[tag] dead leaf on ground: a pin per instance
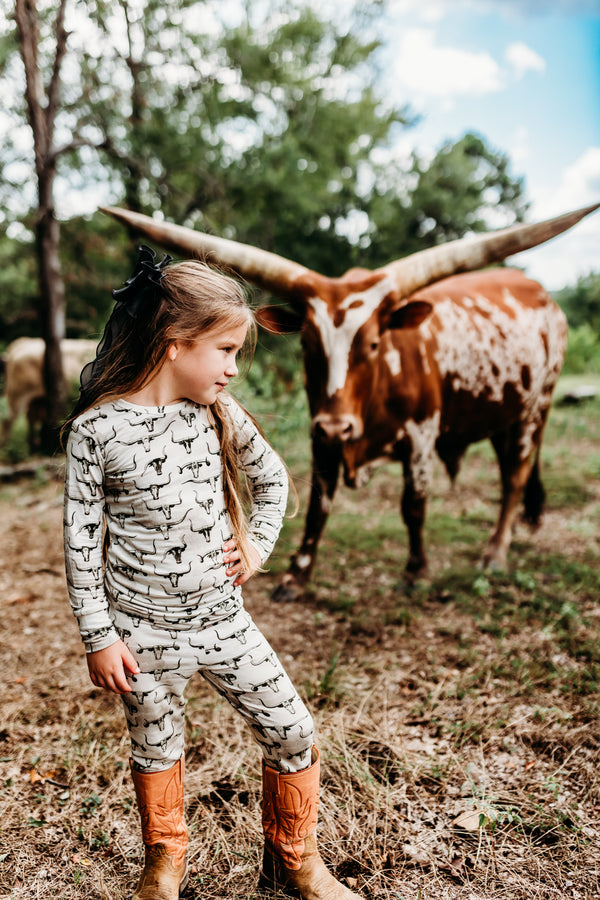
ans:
(20, 598)
(416, 854)
(457, 867)
(35, 776)
(474, 819)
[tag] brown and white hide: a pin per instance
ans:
(24, 380)
(473, 356)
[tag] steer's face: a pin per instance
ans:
(342, 322)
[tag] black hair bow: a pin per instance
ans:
(137, 293)
(143, 281)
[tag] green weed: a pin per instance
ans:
(90, 805)
(328, 689)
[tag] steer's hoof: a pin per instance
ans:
(493, 566)
(416, 570)
(288, 590)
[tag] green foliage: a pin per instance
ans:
(235, 140)
(16, 448)
(581, 305)
(583, 350)
(450, 197)
(18, 291)
(289, 190)
(92, 253)
(581, 302)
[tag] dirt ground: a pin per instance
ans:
(374, 691)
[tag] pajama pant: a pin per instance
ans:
(236, 659)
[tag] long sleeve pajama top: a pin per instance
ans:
(153, 477)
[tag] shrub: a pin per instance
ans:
(583, 351)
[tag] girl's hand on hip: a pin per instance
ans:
(107, 667)
(233, 561)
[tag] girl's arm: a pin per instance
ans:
(83, 527)
(268, 481)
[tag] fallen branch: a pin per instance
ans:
(45, 467)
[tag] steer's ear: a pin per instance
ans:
(279, 319)
(411, 315)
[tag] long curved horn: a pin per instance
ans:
(464, 255)
(268, 270)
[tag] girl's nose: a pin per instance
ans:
(232, 368)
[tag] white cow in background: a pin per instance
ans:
(24, 381)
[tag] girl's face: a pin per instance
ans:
(199, 370)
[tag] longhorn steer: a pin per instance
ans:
(24, 379)
(411, 359)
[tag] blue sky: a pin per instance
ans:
(526, 76)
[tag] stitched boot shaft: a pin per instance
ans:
(291, 860)
(160, 802)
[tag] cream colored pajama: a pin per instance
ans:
(152, 476)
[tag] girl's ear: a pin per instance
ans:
(172, 351)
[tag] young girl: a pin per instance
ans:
(157, 547)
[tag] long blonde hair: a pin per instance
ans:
(192, 299)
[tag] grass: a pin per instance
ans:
(458, 719)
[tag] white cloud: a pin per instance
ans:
(428, 70)
(523, 59)
(577, 252)
(565, 259)
(579, 185)
(431, 12)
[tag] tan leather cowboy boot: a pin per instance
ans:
(291, 861)
(160, 802)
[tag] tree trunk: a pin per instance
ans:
(42, 110)
(52, 309)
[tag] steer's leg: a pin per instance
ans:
(416, 454)
(326, 467)
(516, 450)
(412, 507)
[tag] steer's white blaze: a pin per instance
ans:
(394, 361)
(424, 358)
(337, 339)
